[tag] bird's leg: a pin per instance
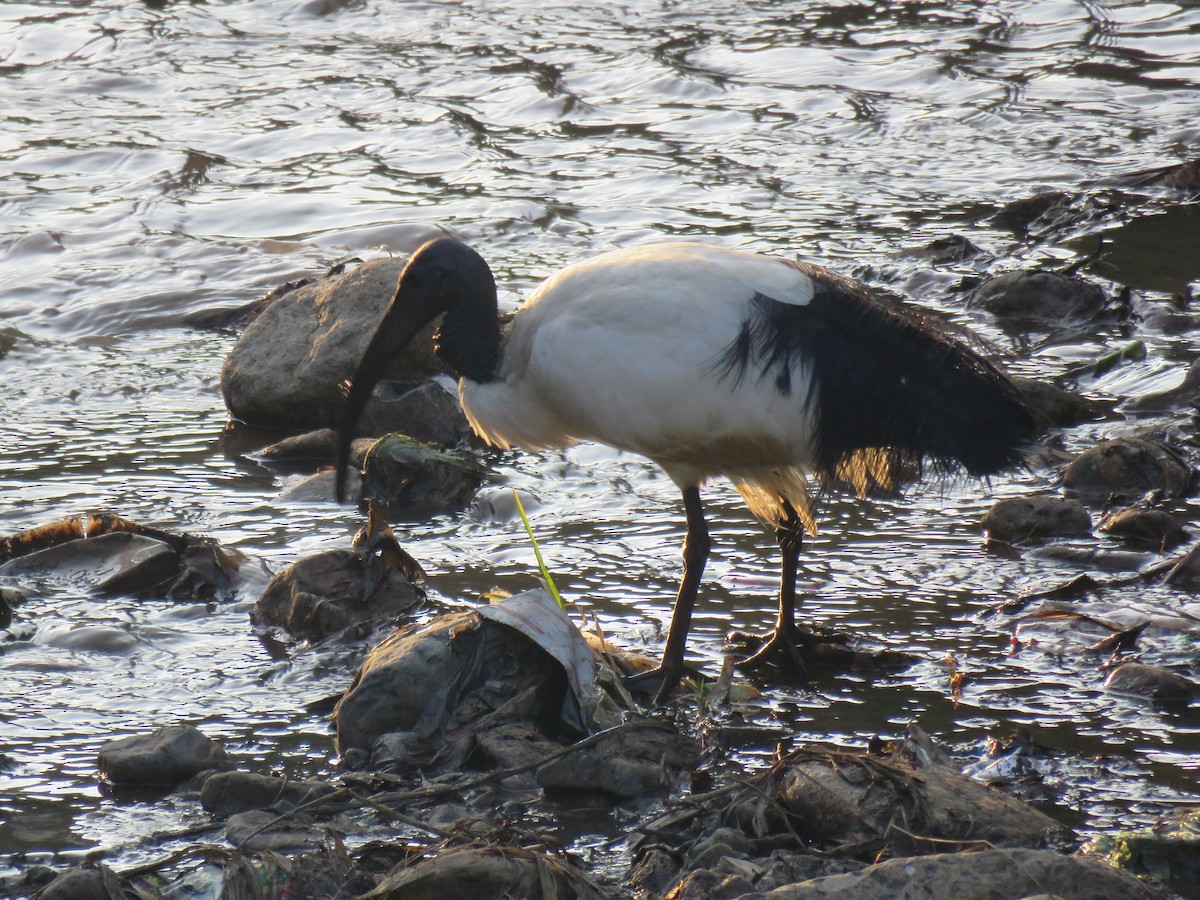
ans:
(786, 637)
(695, 554)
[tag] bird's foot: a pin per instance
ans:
(792, 646)
(658, 683)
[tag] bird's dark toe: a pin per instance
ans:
(791, 648)
(658, 683)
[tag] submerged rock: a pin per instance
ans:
(329, 591)
(1057, 407)
(1129, 467)
(1184, 395)
(119, 557)
(228, 793)
(409, 478)
(1038, 516)
(487, 871)
(1148, 526)
(982, 875)
(1153, 682)
(168, 756)
(1044, 297)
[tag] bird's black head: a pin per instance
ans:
(443, 276)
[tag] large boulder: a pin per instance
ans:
(287, 367)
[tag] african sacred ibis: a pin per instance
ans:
(708, 361)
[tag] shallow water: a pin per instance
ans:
(167, 159)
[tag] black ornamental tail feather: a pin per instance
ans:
(893, 390)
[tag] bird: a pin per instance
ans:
(782, 376)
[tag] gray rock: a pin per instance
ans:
(1056, 407)
(1025, 518)
(1156, 527)
(1153, 682)
(984, 875)
(329, 591)
(630, 764)
(168, 756)
(425, 412)
(261, 830)
(1129, 467)
(287, 366)
(1040, 296)
(228, 793)
(399, 678)
(79, 884)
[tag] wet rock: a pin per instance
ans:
(1153, 682)
(318, 446)
(227, 793)
(262, 830)
(1038, 516)
(1090, 557)
(1186, 394)
(516, 663)
(983, 875)
(9, 597)
(1170, 853)
(426, 412)
(1148, 526)
(168, 756)
(409, 478)
(1129, 467)
(329, 591)
(1185, 575)
(118, 557)
(82, 884)
(287, 366)
(1044, 297)
(415, 670)
(1182, 177)
(495, 871)
(953, 248)
(836, 798)
(629, 764)
(1052, 211)
(1057, 407)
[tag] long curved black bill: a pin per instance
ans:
(399, 325)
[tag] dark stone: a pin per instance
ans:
(227, 793)
(335, 589)
(1054, 406)
(168, 756)
(415, 480)
(77, 884)
(1153, 682)
(426, 412)
(1129, 467)
(1025, 518)
(1148, 526)
(1044, 297)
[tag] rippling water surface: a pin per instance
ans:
(166, 159)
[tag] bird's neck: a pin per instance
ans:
(469, 338)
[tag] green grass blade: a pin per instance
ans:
(537, 552)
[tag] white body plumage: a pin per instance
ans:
(626, 348)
